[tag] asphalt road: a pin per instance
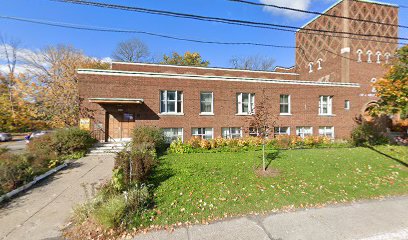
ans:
(15, 146)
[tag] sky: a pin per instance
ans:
(102, 44)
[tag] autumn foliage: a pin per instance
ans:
(392, 90)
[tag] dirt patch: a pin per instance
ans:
(269, 172)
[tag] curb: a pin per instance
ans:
(28, 185)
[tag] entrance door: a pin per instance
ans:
(121, 125)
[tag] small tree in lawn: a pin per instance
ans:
(263, 122)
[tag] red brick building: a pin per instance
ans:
(329, 86)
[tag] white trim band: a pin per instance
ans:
(214, 78)
(208, 68)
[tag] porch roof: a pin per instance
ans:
(116, 100)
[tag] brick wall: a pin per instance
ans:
(304, 101)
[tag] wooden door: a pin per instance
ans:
(121, 125)
(115, 129)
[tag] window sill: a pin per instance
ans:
(206, 114)
(326, 115)
(285, 114)
(244, 114)
(171, 114)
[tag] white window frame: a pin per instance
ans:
(229, 135)
(329, 103)
(289, 105)
(203, 134)
(278, 132)
(347, 104)
(212, 104)
(180, 134)
(324, 130)
(304, 131)
(166, 101)
(251, 104)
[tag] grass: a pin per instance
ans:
(200, 187)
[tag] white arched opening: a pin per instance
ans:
(378, 54)
(310, 67)
(387, 57)
(319, 64)
(369, 54)
(359, 54)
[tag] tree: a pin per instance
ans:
(9, 49)
(392, 90)
(54, 68)
(189, 59)
(263, 122)
(255, 62)
(132, 50)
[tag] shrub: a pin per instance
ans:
(62, 144)
(71, 140)
(135, 164)
(366, 134)
(3, 150)
(16, 170)
(151, 136)
(42, 148)
(111, 212)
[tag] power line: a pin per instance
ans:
(216, 19)
(315, 13)
(116, 30)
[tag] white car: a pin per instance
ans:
(4, 137)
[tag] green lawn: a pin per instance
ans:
(207, 186)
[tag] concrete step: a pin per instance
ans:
(107, 148)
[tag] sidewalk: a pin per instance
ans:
(368, 220)
(42, 211)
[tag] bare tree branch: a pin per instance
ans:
(132, 50)
(255, 62)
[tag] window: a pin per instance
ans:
(378, 54)
(172, 134)
(204, 133)
(369, 54)
(304, 131)
(319, 64)
(231, 132)
(359, 53)
(128, 117)
(284, 104)
(387, 57)
(206, 102)
(310, 67)
(347, 104)
(326, 132)
(281, 131)
(325, 105)
(245, 103)
(171, 101)
(254, 132)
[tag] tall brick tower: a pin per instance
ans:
(351, 59)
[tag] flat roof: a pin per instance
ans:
(212, 78)
(209, 68)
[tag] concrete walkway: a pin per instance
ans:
(42, 211)
(368, 220)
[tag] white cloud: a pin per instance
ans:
(298, 4)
